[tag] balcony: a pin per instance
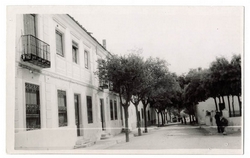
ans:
(103, 84)
(106, 85)
(35, 51)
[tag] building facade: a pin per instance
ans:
(207, 110)
(59, 99)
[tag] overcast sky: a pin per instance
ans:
(186, 37)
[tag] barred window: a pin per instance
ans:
(89, 109)
(32, 107)
(62, 108)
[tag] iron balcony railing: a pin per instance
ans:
(35, 51)
(103, 84)
(106, 85)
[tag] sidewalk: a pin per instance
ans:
(212, 130)
(117, 139)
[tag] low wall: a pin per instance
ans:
(235, 123)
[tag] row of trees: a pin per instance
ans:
(149, 81)
(137, 80)
(221, 79)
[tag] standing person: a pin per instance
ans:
(218, 122)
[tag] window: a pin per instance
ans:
(121, 111)
(29, 24)
(75, 52)
(86, 59)
(111, 110)
(62, 108)
(148, 115)
(32, 107)
(116, 112)
(142, 113)
(89, 109)
(59, 43)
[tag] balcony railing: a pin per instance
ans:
(35, 51)
(106, 85)
(103, 84)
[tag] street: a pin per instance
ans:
(182, 137)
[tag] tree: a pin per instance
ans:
(164, 92)
(219, 77)
(235, 78)
(155, 69)
(194, 91)
(124, 72)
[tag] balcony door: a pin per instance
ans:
(30, 29)
(77, 113)
(102, 115)
(29, 24)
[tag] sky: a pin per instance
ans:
(186, 37)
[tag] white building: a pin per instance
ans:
(58, 97)
(59, 101)
(206, 112)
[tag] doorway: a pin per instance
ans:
(102, 115)
(77, 112)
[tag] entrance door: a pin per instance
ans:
(77, 113)
(102, 115)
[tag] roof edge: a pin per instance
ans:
(88, 33)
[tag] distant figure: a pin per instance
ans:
(218, 122)
(224, 124)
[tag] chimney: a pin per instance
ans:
(104, 43)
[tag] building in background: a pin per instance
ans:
(206, 112)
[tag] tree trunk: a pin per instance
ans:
(126, 122)
(223, 100)
(219, 102)
(239, 103)
(233, 105)
(145, 118)
(162, 119)
(166, 117)
(158, 119)
(196, 119)
(138, 120)
(219, 99)
(215, 104)
(229, 106)
(190, 119)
